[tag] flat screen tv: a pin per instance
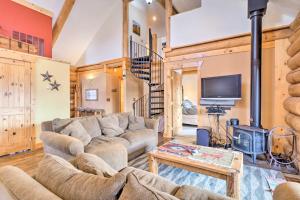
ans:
(221, 87)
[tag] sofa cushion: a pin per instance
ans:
(93, 164)
(59, 124)
(17, 185)
(152, 180)
(136, 123)
(91, 125)
(110, 126)
(142, 137)
(136, 190)
(123, 120)
(187, 192)
(75, 129)
(66, 181)
(113, 153)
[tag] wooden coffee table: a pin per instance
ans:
(232, 175)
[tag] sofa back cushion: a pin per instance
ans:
(93, 164)
(91, 125)
(110, 126)
(75, 129)
(187, 192)
(59, 124)
(136, 190)
(136, 123)
(15, 184)
(62, 178)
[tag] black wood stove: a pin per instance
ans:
(253, 139)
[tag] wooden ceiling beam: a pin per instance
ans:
(61, 19)
(163, 4)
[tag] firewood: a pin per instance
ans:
(293, 121)
(294, 90)
(295, 35)
(292, 105)
(293, 77)
(294, 48)
(296, 23)
(294, 62)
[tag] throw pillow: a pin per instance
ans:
(110, 126)
(93, 164)
(136, 123)
(91, 125)
(134, 189)
(67, 182)
(75, 129)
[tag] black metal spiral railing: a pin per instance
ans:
(148, 66)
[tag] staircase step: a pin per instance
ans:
(157, 90)
(140, 67)
(144, 78)
(154, 84)
(156, 113)
(157, 103)
(144, 58)
(157, 97)
(140, 62)
(160, 108)
(140, 72)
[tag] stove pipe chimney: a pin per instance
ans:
(256, 11)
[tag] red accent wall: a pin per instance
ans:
(15, 17)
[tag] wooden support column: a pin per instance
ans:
(123, 88)
(62, 18)
(167, 101)
(168, 5)
(125, 27)
(177, 101)
(154, 42)
(280, 84)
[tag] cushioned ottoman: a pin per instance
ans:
(114, 154)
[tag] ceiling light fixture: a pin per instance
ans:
(149, 1)
(154, 18)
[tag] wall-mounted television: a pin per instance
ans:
(221, 87)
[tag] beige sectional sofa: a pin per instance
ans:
(89, 178)
(116, 138)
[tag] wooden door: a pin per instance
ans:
(15, 100)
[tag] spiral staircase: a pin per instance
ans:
(147, 65)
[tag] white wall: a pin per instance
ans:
(107, 43)
(138, 13)
(50, 104)
(221, 18)
(84, 22)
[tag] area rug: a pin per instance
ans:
(254, 185)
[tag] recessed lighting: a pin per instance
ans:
(154, 18)
(149, 1)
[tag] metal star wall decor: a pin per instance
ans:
(47, 76)
(54, 86)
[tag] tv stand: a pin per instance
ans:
(217, 111)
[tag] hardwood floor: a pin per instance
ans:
(27, 161)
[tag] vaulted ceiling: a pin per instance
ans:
(87, 17)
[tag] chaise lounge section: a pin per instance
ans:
(116, 138)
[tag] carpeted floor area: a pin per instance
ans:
(254, 184)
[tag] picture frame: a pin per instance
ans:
(136, 28)
(91, 94)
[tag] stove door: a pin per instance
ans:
(242, 140)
